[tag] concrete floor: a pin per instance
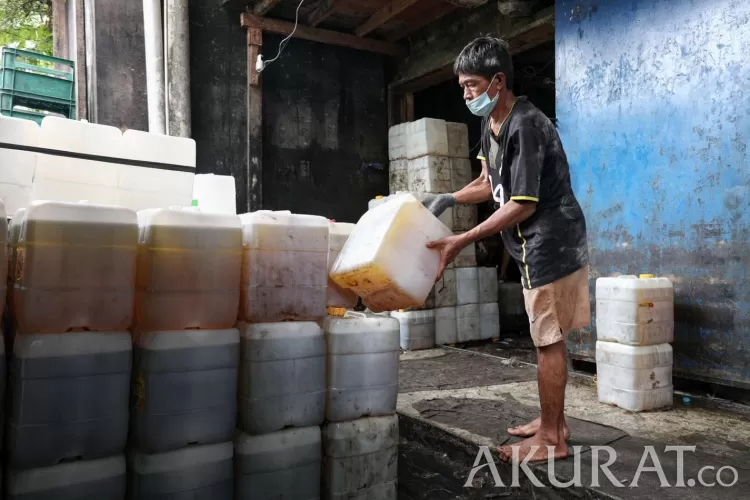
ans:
(468, 397)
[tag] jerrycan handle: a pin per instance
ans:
(355, 314)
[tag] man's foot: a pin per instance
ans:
(532, 428)
(535, 449)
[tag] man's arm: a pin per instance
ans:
(509, 215)
(478, 191)
(512, 213)
(526, 170)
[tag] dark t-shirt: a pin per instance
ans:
(526, 162)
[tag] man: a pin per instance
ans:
(525, 171)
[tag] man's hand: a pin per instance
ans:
(449, 248)
(439, 203)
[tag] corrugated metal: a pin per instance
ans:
(654, 112)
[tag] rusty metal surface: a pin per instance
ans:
(652, 110)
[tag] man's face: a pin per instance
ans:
(476, 85)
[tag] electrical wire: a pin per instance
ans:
(283, 43)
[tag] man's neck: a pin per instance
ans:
(502, 110)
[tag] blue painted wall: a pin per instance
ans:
(653, 108)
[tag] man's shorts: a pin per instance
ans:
(559, 307)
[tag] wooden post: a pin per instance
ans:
(60, 46)
(254, 122)
(400, 106)
(409, 107)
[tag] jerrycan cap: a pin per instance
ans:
(646, 276)
(336, 311)
(379, 197)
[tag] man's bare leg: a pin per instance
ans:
(532, 427)
(553, 377)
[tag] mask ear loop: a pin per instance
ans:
(479, 142)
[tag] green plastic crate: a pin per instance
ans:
(25, 84)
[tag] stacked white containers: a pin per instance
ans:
(17, 173)
(398, 177)
(489, 311)
(435, 157)
(476, 311)
(186, 354)
(634, 326)
(73, 280)
(467, 304)
(142, 188)
(360, 438)
(105, 173)
(282, 381)
(445, 298)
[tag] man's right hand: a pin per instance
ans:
(439, 203)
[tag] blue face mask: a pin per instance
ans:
(483, 105)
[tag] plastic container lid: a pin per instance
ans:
(336, 311)
(186, 217)
(58, 211)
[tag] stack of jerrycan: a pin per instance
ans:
(360, 437)
(186, 355)
(282, 380)
(361, 431)
(429, 157)
(489, 311)
(634, 328)
(477, 312)
(73, 276)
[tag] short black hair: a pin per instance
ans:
(486, 56)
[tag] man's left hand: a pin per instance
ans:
(449, 248)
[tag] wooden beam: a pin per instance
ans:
(260, 7)
(538, 31)
(254, 124)
(323, 11)
(322, 36)
(437, 76)
(263, 6)
(384, 15)
(433, 14)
